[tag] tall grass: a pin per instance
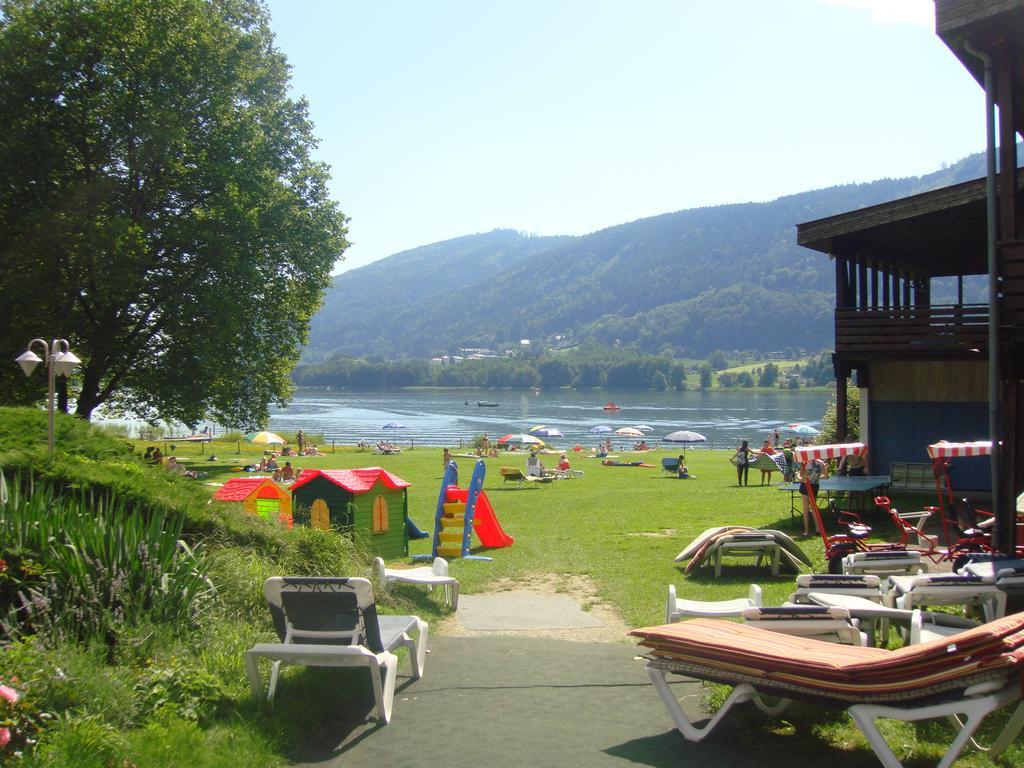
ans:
(93, 567)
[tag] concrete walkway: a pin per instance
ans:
(512, 701)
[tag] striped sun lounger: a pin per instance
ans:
(966, 676)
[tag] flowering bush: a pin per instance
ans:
(19, 723)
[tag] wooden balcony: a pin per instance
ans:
(935, 331)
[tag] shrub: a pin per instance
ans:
(102, 568)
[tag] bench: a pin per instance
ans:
(911, 476)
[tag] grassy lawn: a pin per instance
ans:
(620, 526)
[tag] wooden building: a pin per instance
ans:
(945, 368)
(372, 503)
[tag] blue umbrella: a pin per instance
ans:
(394, 425)
(546, 432)
(600, 429)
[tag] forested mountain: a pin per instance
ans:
(685, 283)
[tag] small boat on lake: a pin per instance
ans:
(610, 406)
(486, 404)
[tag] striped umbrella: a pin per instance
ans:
(805, 453)
(944, 450)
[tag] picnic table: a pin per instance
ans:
(833, 486)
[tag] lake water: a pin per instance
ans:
(452, 417)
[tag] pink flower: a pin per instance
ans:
(5, 736)
(9, 693)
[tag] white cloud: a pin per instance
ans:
(919, 12)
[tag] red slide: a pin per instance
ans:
(485, 522)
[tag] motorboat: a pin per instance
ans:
(610, 406)
(486, 404)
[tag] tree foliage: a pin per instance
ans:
(158, 204)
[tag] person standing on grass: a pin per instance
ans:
(446, 459)
(767, 450)
(300, 438)
(814, 471)
(742, 460)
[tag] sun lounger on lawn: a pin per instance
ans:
(968, 679)
(333, 622)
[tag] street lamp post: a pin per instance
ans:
(60, 361)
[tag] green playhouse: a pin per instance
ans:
(371, 502)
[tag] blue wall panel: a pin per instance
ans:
(902, 431)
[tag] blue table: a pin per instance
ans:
(836, 485)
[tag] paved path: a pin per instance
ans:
(511, 701)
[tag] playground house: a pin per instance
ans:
(371, 502)
(258, 495)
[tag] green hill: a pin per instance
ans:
(723, 277)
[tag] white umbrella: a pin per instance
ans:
(643, 427)
(684, 436)
(519, 439)
(600, 429)
(804, 430)
(629, 432)
(393, 425)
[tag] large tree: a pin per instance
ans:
(159, 207)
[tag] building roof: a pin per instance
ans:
(241, 488)
(352, 480)
(936, 233)
(993, 27)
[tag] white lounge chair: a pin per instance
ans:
(867, 586)
(676, 609)
(948, 589)
(966, 680)
(884, 563)
(435, 575)
(833, 625)
(333, 622)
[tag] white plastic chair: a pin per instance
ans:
(333, 622)
(435, 575)
(833, 625)
(676, 609)
(884, 563)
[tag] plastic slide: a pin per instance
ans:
(485, 522)
(415, 532)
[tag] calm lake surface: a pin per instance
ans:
(452, 417)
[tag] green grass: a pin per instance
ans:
(164, 699)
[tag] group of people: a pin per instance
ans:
(279, 473)
(808, 473)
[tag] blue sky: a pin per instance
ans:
(451, 117)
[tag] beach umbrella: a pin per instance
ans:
(393, 425)
(643, 427)
(600, 429)
(684, 436)
(629, 432)
(266, 438)
(803, 430)
(519, 439)
(546, 432)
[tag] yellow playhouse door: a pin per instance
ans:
(380, 515)
(320, 515)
